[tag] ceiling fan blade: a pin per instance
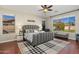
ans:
(45, 5)
(50, 6)
(42, 6)
(49, 9)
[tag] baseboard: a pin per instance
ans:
(72, 39)
(7, 41)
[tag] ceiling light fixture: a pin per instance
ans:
(45, 10)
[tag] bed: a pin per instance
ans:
(35, 37)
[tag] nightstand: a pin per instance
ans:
(19, 37)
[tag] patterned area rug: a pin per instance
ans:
(50, 47)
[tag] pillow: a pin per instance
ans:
(29, 31)
(36, 31)
(42, 31)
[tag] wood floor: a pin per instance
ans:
(12, 48)
(9, 48)
(72, 48)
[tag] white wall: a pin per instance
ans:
(20, 20)
(76, 14)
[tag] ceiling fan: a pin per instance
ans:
(46, 8)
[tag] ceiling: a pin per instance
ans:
(33, 9)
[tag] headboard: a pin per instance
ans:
(30, 27)
(25, 27)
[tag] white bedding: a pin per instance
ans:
(29, 36)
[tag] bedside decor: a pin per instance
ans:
(31, 20)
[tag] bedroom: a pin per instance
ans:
(20, 24)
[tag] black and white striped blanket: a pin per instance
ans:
(50, 47)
